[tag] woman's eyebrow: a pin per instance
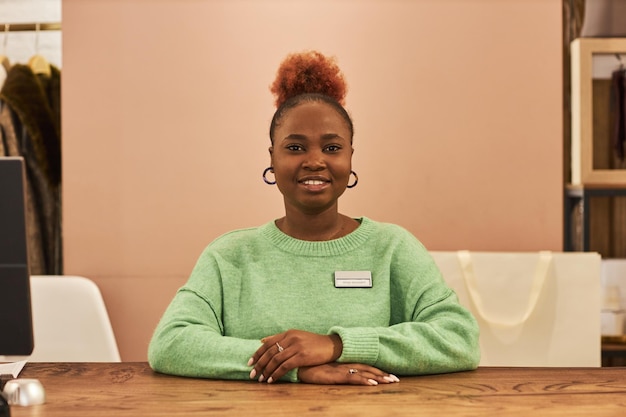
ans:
(325, 137)
(295, 136)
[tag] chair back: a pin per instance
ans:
(70, 321)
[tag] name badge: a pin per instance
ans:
(353, 279)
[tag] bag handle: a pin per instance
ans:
(541, 273)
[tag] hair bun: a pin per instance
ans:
(307, 73)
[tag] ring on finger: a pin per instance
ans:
(280, 348)
(353, 371)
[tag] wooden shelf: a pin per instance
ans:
(583, 53)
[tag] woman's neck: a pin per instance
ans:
(316, 227)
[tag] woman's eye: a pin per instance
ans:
(333, 148)
(294, 148)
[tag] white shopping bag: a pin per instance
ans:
(533, 308)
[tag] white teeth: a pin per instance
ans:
(313, 182)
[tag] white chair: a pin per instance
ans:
(70, 321)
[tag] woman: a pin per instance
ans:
(314, 296)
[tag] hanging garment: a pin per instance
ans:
(5, 66)
(3, 73)
(9, 146)
(30, 120)
(618, 110)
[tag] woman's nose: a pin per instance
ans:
(314, 160)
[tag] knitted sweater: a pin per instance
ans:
(256, 282)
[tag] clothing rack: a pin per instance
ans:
(29, 27)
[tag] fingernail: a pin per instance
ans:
(389, 379)
(252, 373)
(372, 381)
(250, 361)
(270, 380)
(395, 378)
(261, 378)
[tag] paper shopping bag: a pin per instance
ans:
(533, 309)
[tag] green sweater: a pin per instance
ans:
(256, 282)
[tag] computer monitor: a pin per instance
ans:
(16, 327)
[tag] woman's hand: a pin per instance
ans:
(283, 352)
(342, 373)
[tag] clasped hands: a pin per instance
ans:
(315, 357)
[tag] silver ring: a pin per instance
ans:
(353, 371)
(280, 348)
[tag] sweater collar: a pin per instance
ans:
(318, 248)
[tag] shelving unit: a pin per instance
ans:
(578, 194)
(595, 170)
(592, 58)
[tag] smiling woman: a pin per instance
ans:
(311, 152)
(314, 296)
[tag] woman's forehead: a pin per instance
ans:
(312, 115)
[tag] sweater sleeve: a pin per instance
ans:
(430, 331)
(189, 339)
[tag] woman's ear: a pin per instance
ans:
(271, 151)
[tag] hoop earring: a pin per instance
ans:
(356, 180)
(268, 169)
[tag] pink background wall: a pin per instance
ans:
(456, 105)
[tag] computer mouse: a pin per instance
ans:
(24, 392)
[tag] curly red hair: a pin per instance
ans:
(308, 72)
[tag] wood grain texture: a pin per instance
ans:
(133, 389)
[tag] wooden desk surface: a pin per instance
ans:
(133, 389)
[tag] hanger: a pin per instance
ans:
(38, 63)
(3, 58)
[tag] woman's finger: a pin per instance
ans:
(273, 356)
(267, 343)
(281, 363)
(366, 375)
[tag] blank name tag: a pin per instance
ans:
(353, 279)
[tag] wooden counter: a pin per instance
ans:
(133, 389)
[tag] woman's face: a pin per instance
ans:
(312, 157)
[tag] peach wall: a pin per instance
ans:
(456, 103)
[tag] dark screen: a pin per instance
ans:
(16, 330)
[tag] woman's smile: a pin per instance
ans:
(314, 184)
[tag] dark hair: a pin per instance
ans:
(308, 77)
